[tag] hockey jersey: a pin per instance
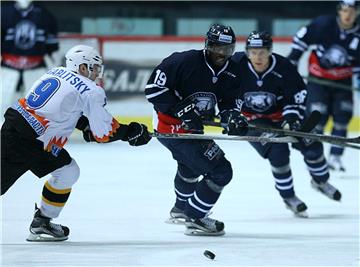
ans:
(26, 36)
(337, 52)
(275, 94)
(187, 76)
(56, 102)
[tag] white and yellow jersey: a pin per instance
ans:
(57, 100)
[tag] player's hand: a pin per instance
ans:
(82, 123)
(137, 134)
(291, 122)
(233, 122)
(190, 117)
(84, 126)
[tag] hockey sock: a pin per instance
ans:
(202, 201)
(318, 169)
(53, 200)
(337, 150)
(184, 188)
(283, 180)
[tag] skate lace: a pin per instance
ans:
(294, 201)
(208, 221)
(326, 187)
(56, 227)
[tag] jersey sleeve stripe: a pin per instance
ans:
(294, 106)
(285, 112)
(148, 96)
(153, 85)
(301, 43)
(297, 47)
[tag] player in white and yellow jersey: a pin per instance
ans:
(37, 127)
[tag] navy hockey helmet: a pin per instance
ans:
(347, 3)
(220, 39)
(257, 39)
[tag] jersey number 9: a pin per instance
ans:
(42, 93)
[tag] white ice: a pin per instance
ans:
(116, 215)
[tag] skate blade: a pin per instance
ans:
(301, 214)
(338, 198)
(198, 232)
(178, 221)
(44, 238)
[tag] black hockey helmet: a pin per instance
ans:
(220, 39)
(257, 39)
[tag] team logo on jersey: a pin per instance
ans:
(25, 35)
(335, 56)
(260, 101)
(204, 101)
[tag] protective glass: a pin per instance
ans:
(97, 70)
(225, 50)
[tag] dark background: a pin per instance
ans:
(69, 13)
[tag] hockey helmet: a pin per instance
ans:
(257, 39)
(83, 54)
(220, 39)
(23, 4)
(347, 3)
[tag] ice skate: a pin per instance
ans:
(42, 230)
(327, 189)
(296, 206)
(177, 216)
(335, 163)
(204, 227)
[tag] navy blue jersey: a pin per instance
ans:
(187, 76)
(337, 52)
(29, 34)
(277, 93)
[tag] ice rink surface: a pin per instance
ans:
(116, 215)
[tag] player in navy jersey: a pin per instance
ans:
(272, 93)
(28, 45)
(184, 89)
(336, 58)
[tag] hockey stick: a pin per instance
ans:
(286, 139)
(330, 83)
(336, 140)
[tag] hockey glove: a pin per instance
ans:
(291, 122)
(82, 123)
(233, 122)
(190, 117)
(137, 134)
(84, 126)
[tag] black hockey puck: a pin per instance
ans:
(208, 254)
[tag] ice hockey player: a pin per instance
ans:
(272, 93)
(184, 89)
(335, 59)
(29, 46)
(37, 127)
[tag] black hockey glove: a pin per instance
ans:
(137, 134)
(233, 122)
(291, 122)
(82, 123)
(190, 117)
(84, 126)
